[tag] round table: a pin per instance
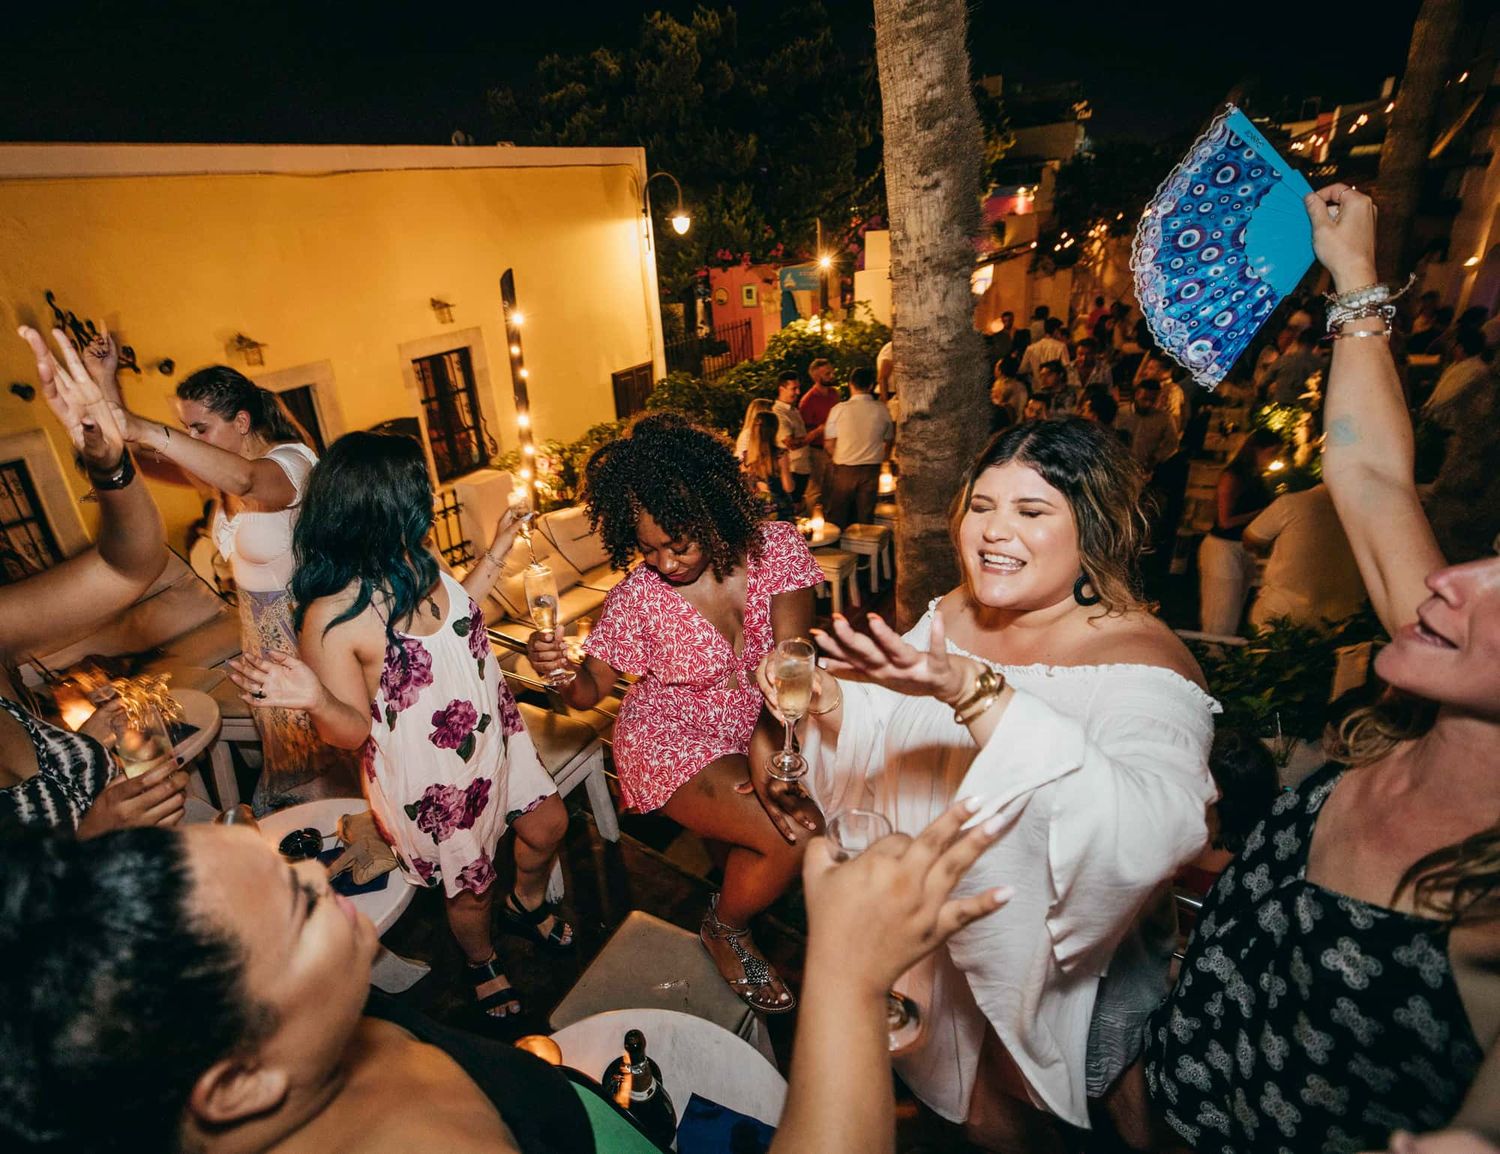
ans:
(382, 907)
(695, 1056)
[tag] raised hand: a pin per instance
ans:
(277, 681)
(884, 658)
(101, 357)
(506, 530)
(878, 915)
(1343, 227)
(77, 402)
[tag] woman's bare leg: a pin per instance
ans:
(539, 832)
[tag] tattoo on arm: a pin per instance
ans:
(1342, 432)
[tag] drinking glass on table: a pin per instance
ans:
(851, 832)
(541, 601)
(792, 667)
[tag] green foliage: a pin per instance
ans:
(722, 403)
(769, 125)
(559, 465)
(1279, 682)
(718, 404)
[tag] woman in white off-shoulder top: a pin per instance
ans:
(1084, 723)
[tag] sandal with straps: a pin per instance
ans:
(490, 971)
(523, 923)
(754, 989)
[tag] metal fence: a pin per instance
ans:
(446, 533)
(712, 356)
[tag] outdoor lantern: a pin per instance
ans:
(443, 309)
(680, 219)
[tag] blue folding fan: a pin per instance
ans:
(1223, 241)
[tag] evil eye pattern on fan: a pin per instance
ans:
(1223, 241)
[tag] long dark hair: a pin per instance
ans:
(1091, 467)
(227, 393)
(114, 998)
(685, 476)
(365, 519)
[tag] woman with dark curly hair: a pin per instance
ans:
(716, 589)
(1044, 686)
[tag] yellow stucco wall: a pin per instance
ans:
(337, 268)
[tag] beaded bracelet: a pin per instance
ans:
(1340, 314)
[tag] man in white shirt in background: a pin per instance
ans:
(1050, 348)
(858, 438)
(791, 432)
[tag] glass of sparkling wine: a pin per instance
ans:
(541, 600)
(145, 743)
(851, 832)
(792, 673)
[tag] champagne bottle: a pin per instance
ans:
(633, 1080)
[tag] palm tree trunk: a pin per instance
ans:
(933, 157)
(1409, 135)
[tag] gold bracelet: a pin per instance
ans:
(836, 704)
(987, 687)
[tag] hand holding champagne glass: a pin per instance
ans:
(792, 671)
(851, 832)
(541, 600)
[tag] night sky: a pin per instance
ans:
(388, 73)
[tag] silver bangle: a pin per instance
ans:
(1384, 332)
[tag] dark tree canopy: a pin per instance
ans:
(769, 123)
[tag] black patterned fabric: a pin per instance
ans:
(71, 769)
(1304, 1020)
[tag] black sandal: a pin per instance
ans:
(482, 972)
(523, 923)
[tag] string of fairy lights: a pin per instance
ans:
(519, 377)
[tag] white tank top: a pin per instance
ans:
(259, 545)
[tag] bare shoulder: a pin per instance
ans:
(325, 623)
(1139, 638)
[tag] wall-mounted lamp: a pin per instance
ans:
(24, 391)
(249, 348)
(680, 219)
(166, 366)
(443, 309)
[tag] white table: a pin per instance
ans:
(391, 973)
(695, 1056)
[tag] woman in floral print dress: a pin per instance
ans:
(396, 662)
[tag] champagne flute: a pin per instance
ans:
(541, 600)
(792, 673)
(851, 832)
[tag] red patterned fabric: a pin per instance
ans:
(681, 715)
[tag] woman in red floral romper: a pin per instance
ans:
(717, 587)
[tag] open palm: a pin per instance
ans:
(276, 681)
(76, 401)
(885, 658)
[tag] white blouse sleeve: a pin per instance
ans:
(1128, 805)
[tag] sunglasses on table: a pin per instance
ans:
(301, 845)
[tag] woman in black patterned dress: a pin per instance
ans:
(1344, 979)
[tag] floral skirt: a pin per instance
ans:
(297, 766)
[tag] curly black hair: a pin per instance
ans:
(686, 477)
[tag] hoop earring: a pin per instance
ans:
(1078, 595)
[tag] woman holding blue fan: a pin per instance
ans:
(1342, 984)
